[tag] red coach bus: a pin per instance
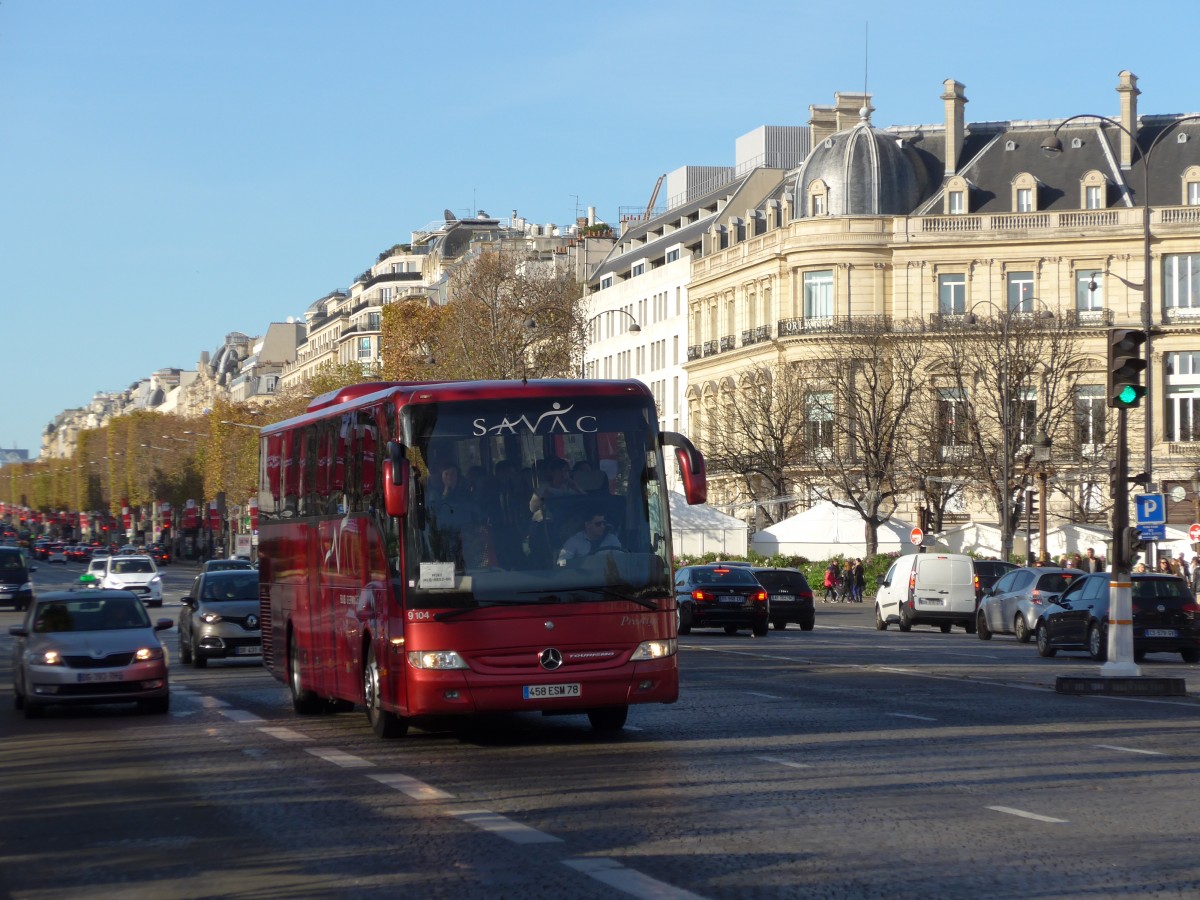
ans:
(467, 547)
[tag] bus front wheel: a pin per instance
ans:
(304, 702)
(385, 724)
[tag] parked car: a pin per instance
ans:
(1018, 600)
(1166, 618)
(226, 565)
(927, 589)
(219, 619)
(16, 586)
(89, 647)
(987, 573)
(720, 596)
(791, 598)
(134, 573)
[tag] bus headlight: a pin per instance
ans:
(436, 659)
(653, 650)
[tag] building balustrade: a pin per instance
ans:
(832, 324)
(1093, 318)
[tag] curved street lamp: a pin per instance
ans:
(634, 328)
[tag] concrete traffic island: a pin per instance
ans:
(1118, 685)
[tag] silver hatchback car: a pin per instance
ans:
(1016, 602)
(89, 647)
(220, 618)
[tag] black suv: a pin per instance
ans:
(791, 597)
(1166, 618)
(15, 586)
(721, 596)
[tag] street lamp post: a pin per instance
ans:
(1041, 455)
(634, 328)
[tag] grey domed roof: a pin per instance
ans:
(866, 173)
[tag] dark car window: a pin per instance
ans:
(1022, 580)
(1171, 589)
(1074, 592)
(723, 575)
(1055, 582)
(781, 580)
(1005, 584)
(234, 587)
(1095, 588)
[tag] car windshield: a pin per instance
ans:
(785, 581)
(116, 613)
(238, 586)
(131, 566)
(11, 562)
(1161, 589)
(731, 575)
(515, 498)
(1055, 582)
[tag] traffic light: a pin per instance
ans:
(1031, 503)
(1125, 367)
(1131, 546)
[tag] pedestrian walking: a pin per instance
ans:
(1194, 576)
(846, 585)
(831, 582)
(860, 580)
(1092, 563)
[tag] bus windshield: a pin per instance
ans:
(535, 500)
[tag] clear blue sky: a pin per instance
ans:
(173, 171)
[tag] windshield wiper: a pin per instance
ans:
(649, 604)
(482, 604)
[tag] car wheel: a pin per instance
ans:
(185, 650)
(199, 660)
(685, 619)
(905, 622)
(1190, 654)
(880, 622)
(1043, 641)
(304, 702)
(156, 706)
(731, 629)
(608, 718)
(18, 699)
(1097, 643)
(945, 626)
(779, 624)
(385, 724)
(969, 626)
(981, 627)
(759, 629)
(1021, 629)
(808, 624)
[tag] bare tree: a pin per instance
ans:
(753, 432)
(1007, 379)
(865, 382)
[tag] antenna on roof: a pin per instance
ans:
(866, 59)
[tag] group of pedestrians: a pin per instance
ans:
(845, 583)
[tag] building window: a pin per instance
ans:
(672, 255)
(818, 204)
(1090, 410)
(951, 420)
(1193, 193)
(818, 423)
(1181, 280)
(1024, 415)
(958, 204)
(364, 348)
(638, 270)
(1183, 397)
(605, 283)
(1087, 298)
(818, 294)
(952, 294)
(1020, 292)
(373, 320)
(1025, 200)
(1094, 197)
(818, 198)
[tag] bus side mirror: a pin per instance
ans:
(691, 466)
(395, 480)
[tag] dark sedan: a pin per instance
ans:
(1166, 618)
(721, 596)
(791, 598)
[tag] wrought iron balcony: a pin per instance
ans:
(832, 324)
(1093, 318)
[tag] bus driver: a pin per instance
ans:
(594, 537)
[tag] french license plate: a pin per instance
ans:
(731, 598)
(1161, 632)
(5, 596)
(247, 651)
(83, 677)
(783, 598)
(932, 601)
(543, 691)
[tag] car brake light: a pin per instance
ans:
(805, 595)
(699, 595)
(760, 597)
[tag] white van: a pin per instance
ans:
(927, 589)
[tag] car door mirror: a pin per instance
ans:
(189, 602)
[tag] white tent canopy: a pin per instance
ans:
(826, 530)
(697, 530)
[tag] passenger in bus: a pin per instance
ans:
(589, 480)
(453, 517)
(592, 538)
(554, 481)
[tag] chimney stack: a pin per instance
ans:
(956, 102)
(1127, 88)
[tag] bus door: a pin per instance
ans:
(344, 603)
(387, 624)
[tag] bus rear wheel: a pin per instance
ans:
(385, 724)
(608, 718)
(304, 702)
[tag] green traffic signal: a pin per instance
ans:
(1126, 367)
(1128, 396)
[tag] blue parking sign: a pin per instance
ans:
(1151, 509)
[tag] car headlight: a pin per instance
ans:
(210, 618)
(654, 650)
(45, 658)
(436, 659)
(27, 586)
(157, 579)
(145, 654)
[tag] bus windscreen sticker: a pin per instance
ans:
(437, 575)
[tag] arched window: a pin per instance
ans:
(818, 198)
(1024, 193)
(1191, 186)
(957, 199)
(1093, 190)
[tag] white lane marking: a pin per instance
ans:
(764, 696)
(633, 728)
(341, 758)
(785, 762)
(212, 703)
(418, 790)
(504, 827)
(911, 716)
(629, 881)
(1129, 749)
(240, 715)
(1028, 815)
(285, 734)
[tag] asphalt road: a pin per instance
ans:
(842, 762)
